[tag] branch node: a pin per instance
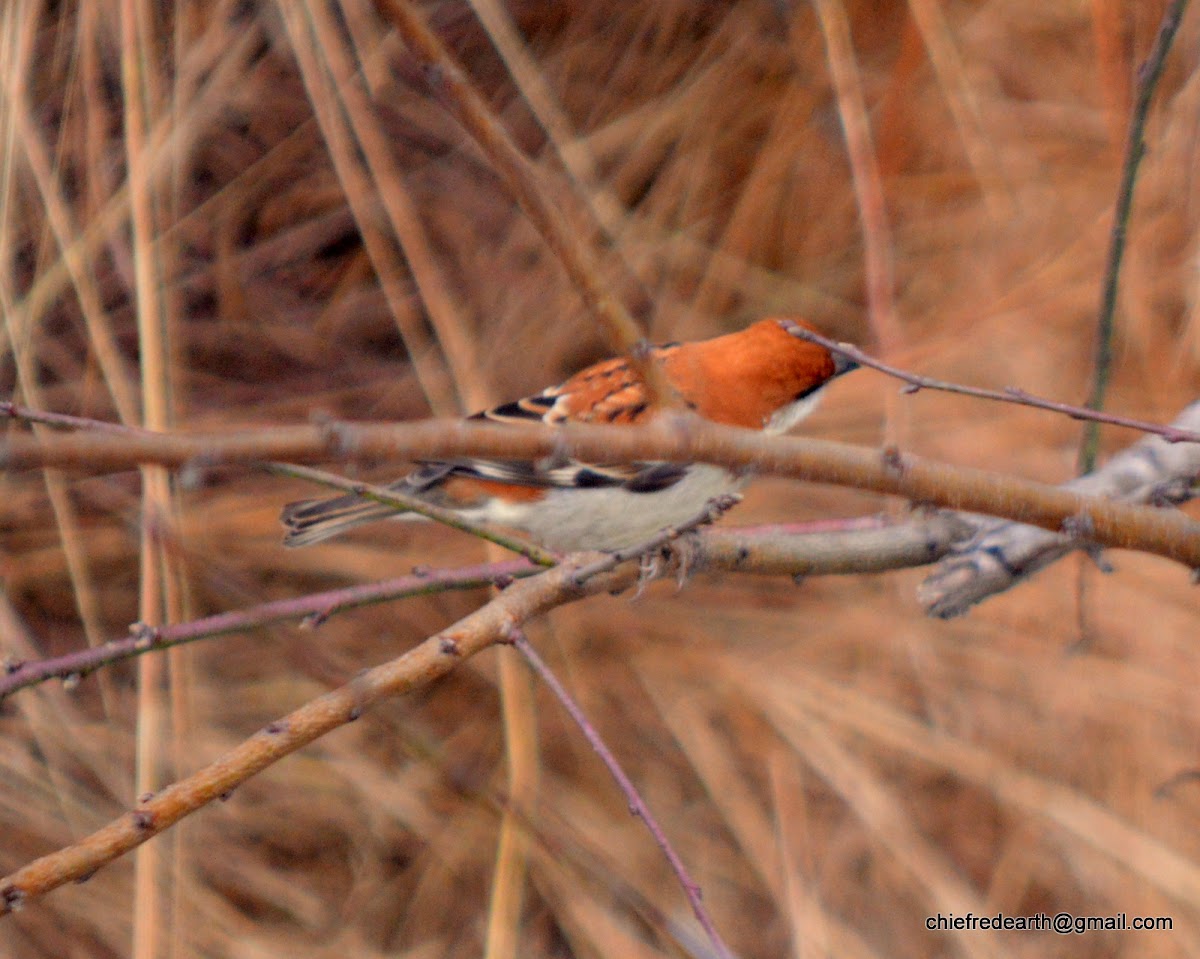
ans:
(720, 505)
(143, 819)
(641, 351)
(448, 646)
(433, 75)
(336, 438)
(1171, 492)
(1079, 526)
(1096, 555)
(275, 728)
(192, 474)
(13, 898)
(557, 458)
(314, 620)
(893, 460)
(144, 635)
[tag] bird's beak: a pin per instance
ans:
(843, 364)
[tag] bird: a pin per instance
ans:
(761, 377)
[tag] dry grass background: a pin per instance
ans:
(833, 766)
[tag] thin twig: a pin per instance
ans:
(64, 421)
(1010, 394)
(311, 611)
(637, 806)
(430, 660)
(867, 545)
(998, 555)
(402, 503)
(379, 494)
(1135, 149)
(711, 512)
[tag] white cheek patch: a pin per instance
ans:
(501, 513)
(787, 417)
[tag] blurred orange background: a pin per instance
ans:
(833, 766)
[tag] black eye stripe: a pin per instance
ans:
(590, 479)
(808, 392)
(516, 411)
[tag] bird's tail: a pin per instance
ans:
(310, 521)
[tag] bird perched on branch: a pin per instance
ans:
(759, 378)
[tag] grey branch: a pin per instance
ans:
(1002, 553)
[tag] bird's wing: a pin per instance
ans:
(606, 392)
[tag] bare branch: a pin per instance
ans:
(776, 551)
(1002, 554)
(637, 805)
(765, 550)
(1135, 149)
(433, 658)
(312, 610)
(1010, 394)
(671, 437)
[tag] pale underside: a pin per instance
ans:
(608, 517)
(614, 517)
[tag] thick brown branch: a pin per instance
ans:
(774, 551)
(431, 659)
(766, 550)
(674, 438)
(1002, 554)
